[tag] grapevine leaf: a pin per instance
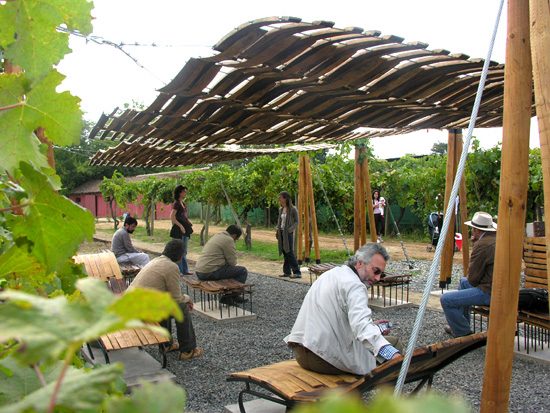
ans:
(145, 305)
(22, 380)
(30, 38)
(17, 139)
(81, 391)
(49, 219)
(146, 399)
(47, 327)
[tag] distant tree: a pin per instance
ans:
(439, 148)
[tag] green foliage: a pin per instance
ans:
(146, 399)
(385, 403)
(49, 329)
(40, 230)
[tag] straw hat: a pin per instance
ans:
(482, 221)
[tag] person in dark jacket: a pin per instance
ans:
(286, 225)
(475, 289)
(182, 228)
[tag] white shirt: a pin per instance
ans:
(335, 322)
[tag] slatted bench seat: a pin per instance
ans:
(104, 266)
(129, 271)
(391, 283)
(536, 326)
(289, 384)
(210, 292)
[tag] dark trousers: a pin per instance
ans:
(379, 224)
(291, 263)
(184, 330)
(231, 271)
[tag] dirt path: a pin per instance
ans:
(415, 250)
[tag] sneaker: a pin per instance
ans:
(296, 276)
(197, 352)
(173, 347)
(284, 275)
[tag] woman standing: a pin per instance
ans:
(182, 228)
(286, 224)
(378, 203)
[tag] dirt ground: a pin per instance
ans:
(415, 250)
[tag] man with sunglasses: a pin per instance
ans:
(334, 332)
(475, 289)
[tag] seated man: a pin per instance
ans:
(476, 288)
(334, 332)
(218, 261)
(163, 274)
(122, 247)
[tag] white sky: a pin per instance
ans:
(104, 78)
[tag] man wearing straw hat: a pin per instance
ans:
(475, 289)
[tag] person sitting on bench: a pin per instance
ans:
(122, 247)
(163, 274)
(334, 332)
(476, 288)
(218, 261)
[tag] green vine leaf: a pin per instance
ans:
(146, 399)
(81, 391)
(49, 219)
(29, 35)
(48, 327)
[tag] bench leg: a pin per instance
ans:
(162, 349)
(289, 404)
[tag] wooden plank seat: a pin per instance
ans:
(536, 327)
(210, 292)
(290, 384)
(534, 257)
(104, 266)
(318, 269)
(128, 270)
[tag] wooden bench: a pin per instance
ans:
(129, 271)
(210, 292)
(104, 266)
(388, 283)
(536, 326)
(290, 384)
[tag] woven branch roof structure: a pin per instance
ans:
(281, 81)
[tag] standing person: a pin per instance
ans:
(287, 222)
(162, 274)
(334, 332)
(476, 288)
(378, 203)
(182, 228)
(122, 247)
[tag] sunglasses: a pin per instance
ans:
(378, 271)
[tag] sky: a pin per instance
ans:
(105, 78)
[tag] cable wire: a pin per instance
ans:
(446, 221)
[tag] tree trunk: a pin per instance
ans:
(248, 237)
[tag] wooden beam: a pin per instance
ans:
(540, 50)
(511, 212)
(453, 154)
(357, 202)
(307, 208)
(301, 200)
(368, 196)
(313, 212)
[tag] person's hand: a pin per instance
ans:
(380, 322)
(190, 305)
(396, 356)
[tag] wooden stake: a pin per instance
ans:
(511, 211)
(540, 49)
(301, 206)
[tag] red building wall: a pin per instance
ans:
(100, 208)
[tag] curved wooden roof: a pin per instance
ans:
(280, 81)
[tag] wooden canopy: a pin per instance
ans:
(280, 81)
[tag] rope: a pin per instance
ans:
(411, 264)
(332, 212)
(446, 221)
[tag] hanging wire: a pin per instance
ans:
(409, 262)
(446, 221)
(332, 212)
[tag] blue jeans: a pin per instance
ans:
(184, 269)
(456, 305)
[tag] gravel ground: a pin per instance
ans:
(240, 346)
